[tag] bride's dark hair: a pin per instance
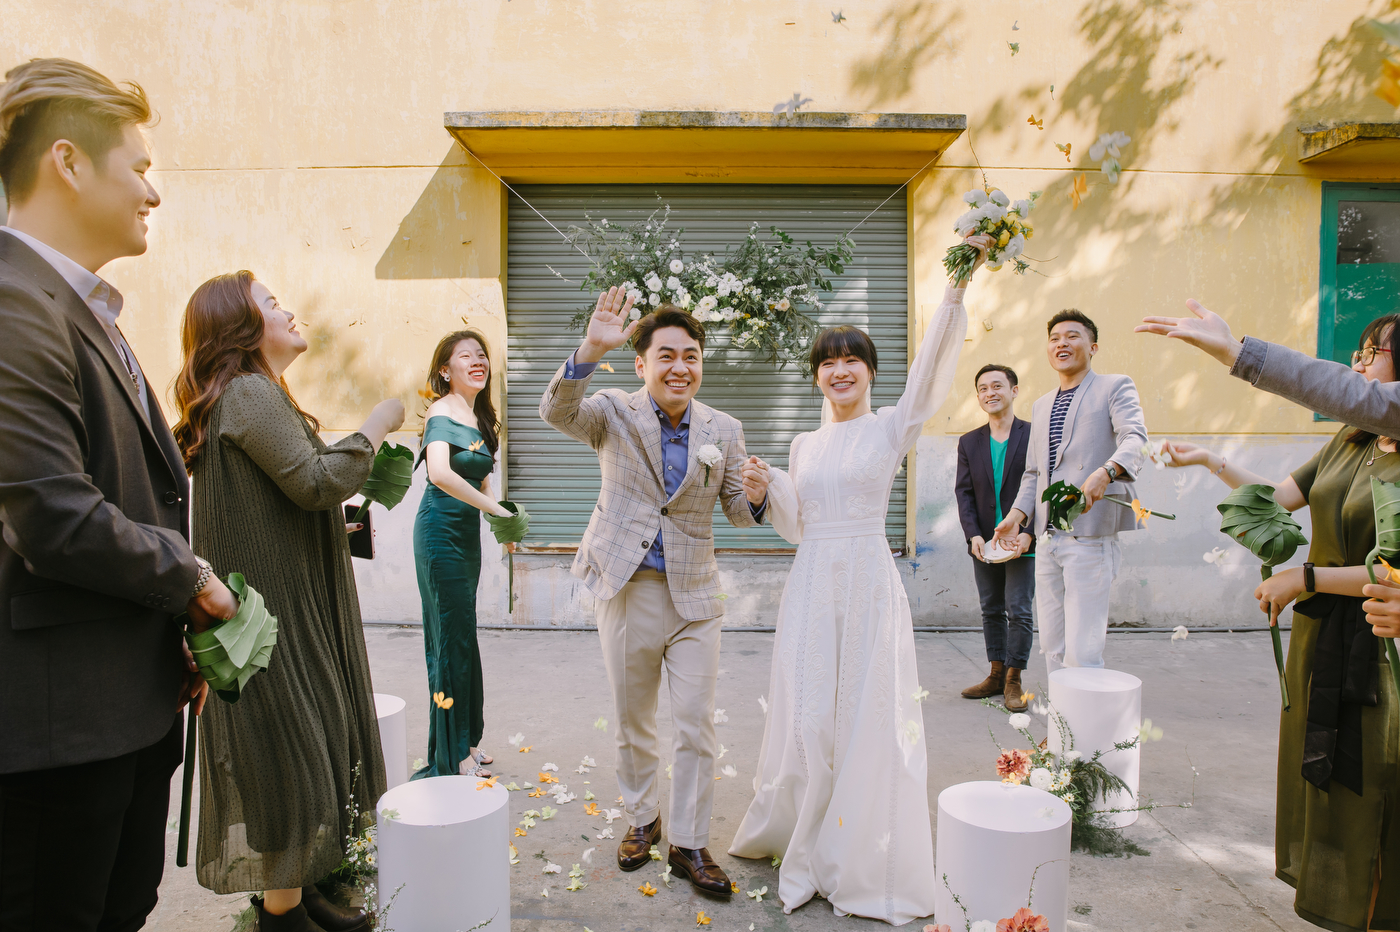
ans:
(838, 342)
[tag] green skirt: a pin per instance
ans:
(1327, 844)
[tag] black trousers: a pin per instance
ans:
(82, 848)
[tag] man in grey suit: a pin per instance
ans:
(648, 558)
(1089, 432)
(94, 560)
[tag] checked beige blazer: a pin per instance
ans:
(632, 505)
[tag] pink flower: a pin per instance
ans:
(1024, 921)
(938, 928)
(1013, 766)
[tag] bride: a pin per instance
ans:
(841, 792)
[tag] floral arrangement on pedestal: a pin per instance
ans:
(1023, 920)
(756, 293)
(1078, 780)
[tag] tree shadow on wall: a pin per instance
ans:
(442, 234)
(1137, 76)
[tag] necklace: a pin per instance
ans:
(1377, 453)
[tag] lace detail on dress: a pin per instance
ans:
(864, 463)
(811, 511)
(858, 507)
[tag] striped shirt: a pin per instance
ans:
(1057, 421)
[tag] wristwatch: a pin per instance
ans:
(1112, 471)
(1309, 580)
(205, 573)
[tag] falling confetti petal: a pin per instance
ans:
(1179, 633)
(1080, 189)
(1065, 149)
(601, 724)
(1038, 124)
(1014, 47)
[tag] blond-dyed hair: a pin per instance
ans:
(48, 99)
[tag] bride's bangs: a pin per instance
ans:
(839, 342)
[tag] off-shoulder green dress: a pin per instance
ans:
(447, 553)
(276, 769)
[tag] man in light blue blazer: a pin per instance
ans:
(1089, 432)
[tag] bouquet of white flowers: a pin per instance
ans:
(994, 214)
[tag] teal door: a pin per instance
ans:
(1360, 267)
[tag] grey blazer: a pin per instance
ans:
(632, 505)
(94, 558)
(1326, 387)
(1104, 423)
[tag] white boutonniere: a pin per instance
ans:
(709, 456)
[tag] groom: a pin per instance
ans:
(648, 557)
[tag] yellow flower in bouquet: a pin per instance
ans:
(994, 214)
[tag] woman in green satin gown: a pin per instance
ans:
(459, 444)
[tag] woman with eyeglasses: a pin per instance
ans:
(1338, 772)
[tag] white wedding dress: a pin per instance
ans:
(841, 792)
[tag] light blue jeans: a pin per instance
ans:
(1073, 576)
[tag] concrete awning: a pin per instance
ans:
(703, 145)
(1350, 144)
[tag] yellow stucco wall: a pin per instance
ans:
(304, 141)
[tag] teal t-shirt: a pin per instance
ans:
(998, 467)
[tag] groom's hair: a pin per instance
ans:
(1075, 315)
(667, 315)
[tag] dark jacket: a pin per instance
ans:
(975, 484)
(95, 556)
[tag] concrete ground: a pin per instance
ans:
(1211, 865)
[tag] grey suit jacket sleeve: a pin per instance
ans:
(1125, 413)
(1327, 387)
(1025, 497)
(53, 516)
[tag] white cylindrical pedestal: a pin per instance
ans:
(992, 837)
(1101, 707)
(445, 849)
(393, 736)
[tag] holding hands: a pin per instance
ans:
(756, 479)
(609, 327)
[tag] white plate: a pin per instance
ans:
(994, 554)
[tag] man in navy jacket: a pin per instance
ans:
(991, 460)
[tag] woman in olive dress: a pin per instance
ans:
(1338, 771)
(459, 445)
(277, 769)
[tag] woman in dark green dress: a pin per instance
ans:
(459, 444)
(1337, 838)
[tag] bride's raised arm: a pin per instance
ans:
(931, 374)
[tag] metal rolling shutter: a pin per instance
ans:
(555, 477)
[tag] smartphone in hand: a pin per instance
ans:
(361, 541)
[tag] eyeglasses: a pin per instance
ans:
(1366, 356)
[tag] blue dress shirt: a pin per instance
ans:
(675, 456)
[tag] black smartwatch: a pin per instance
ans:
(1309, 581)
(1112, 471)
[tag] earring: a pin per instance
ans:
(447, 376)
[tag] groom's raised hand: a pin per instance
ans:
(608, 328)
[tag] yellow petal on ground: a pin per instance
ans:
(486, 784)
(701, 919)
(520, 833)
(646, 889)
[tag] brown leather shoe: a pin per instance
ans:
(331, 917)
(696, 865)
(634, 850)
(1012, 697)
(991, 686)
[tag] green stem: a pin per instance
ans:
(1264, 573)
(364, 506)
(182, 844)
(1129, 506)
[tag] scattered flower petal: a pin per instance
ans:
(730, 771)
(646, 889)
(720, 716)
(1179, 633)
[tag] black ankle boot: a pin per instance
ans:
(293, 920)
(331, 917)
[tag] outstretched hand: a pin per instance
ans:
(981, 242)
(1205, 330)
(609, 327)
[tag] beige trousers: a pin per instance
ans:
(642, 634)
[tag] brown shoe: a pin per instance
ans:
(331, 917)
(991, 686)
(634, 850)
(696, 865)
(1012, 697)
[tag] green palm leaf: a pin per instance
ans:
(1385, 497)
(1251, 516)
(510, 530)
(389, 478)
(1065, 502)
(229, 653)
